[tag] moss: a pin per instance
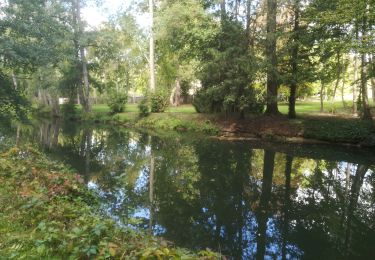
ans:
(46, 212)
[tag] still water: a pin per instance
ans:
(247, 200)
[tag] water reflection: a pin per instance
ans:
(246, 200)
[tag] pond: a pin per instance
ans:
(247, 200)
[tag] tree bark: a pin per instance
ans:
(294, 61)
(272, 74)
(14, 81)
(373, 89)
(152, 48)
(223, 10)
(365, 103)
(355, 95)
(248, 18)
(338, 77)
(321, 97)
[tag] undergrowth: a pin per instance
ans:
(46, 212)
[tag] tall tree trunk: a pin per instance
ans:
(321, 96)
(84, 89)
(14, 81)
(86, 86)
(272, 74)
(372, 80)
(365, 104)
(248, 18)
(294, 61)
(355, 86)
(338, 77)
(223, 10)
(177, 94)
(343, 88)
(152, 48)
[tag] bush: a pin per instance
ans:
(144, 108)
(116, 102)
(159, 102)
(69, 111)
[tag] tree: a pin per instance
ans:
(271, 59)
(152, 48)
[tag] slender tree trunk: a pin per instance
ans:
(248, 18)
(373, 89)
(272, 74)
(321, 97)
(152, 48)
(343, 88)
(177, 96)
(14, 81)
(84, 89)
(365, 103)
(223, 10)
(294, 61)
(18, 135)
(355, 95)
(338, 77)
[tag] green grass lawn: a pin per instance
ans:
(302, 107)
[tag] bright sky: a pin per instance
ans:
(94, 15)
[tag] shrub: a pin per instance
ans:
(144, 108)
(69, 110)
(116, 102)
(159, 102)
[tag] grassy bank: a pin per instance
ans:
(46, 212)
(336, 128)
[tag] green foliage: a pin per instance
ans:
(228, 74)
(117, 101)
(69, 111)
(144, 107)
(12, 101)
(172, 123)
(158, 102)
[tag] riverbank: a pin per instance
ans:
(309, 127)
(46, 211)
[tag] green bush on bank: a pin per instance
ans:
(46, 212)
(116, 102)
(159, 102)
(171, 123)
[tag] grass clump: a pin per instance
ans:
(172, 123)
(46, 212)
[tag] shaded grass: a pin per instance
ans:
(341, 130)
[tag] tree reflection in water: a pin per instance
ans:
(237, 198)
